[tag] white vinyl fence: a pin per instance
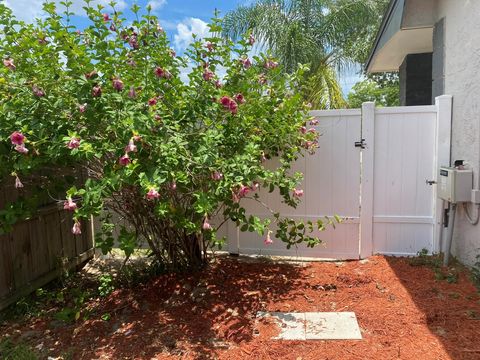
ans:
(378, 184)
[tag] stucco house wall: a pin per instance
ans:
(462, 80)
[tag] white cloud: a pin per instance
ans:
(168, 24)
(24, 9)
(157, 4)
(186, 28)
(28, 10)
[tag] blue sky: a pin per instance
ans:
(179, 18)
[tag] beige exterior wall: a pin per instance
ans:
(462, 80)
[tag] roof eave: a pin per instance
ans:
(381, 30)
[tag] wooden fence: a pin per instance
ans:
(38, 250)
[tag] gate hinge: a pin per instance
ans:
(361, 144)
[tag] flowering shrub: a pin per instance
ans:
(176, 159)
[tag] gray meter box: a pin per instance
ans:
(455, 185)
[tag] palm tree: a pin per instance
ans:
(322, 33)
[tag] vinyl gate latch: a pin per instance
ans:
(361, 144)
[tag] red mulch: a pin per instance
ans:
(403, 312)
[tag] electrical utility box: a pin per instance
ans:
(455, 185)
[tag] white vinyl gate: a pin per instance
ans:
(379, 185)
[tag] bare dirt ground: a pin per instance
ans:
(406, 309)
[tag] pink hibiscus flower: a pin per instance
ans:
(9, 64)
(268, 240)
(73, 143)
(17, 138)
(69, 204)
(297, 193)
(152, 194)
(118, 84)
(76, 229)
(124, 160)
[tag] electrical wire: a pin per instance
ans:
(469, 218)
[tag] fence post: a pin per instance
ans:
(366, 187)
(442, 158)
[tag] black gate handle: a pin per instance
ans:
(360, 144)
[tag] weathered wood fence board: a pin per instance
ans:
(39, 249)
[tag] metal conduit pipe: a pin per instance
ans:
(448, 240)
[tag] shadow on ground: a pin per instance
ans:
(449, 301)
(209, 310)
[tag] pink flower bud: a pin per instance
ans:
(91, 74)
(208, 75)
(18, 183)
(268, 240)
(9, 64)
(246, 62)
(106, 17)
(131, 147)
(97, 91)
(229, 104)
(21, 149)
(152, 102)
(133, 41)
(131, 93)
(218, 84)
(159, 72)
(73, 143)
(76, 230)
(255, 186)
(17, 138)
(173, 185)
(216, 175)
(206, 225)
(240, 99)
(82, 108)
(308, 144)
(270, 64)
(117, 84)
(152, 194)
(233, 107)
(37, 91)
(314, 122)
(243, 191)
(297, 193)
(251, 39)
(69, 204)
(124, 160)
(225, 101)
(162, 73)
(209, 46)
(303, 130)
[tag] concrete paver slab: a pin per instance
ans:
(292, 325)
(315, 325)
(332, 326)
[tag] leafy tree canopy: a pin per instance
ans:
(176, 160)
